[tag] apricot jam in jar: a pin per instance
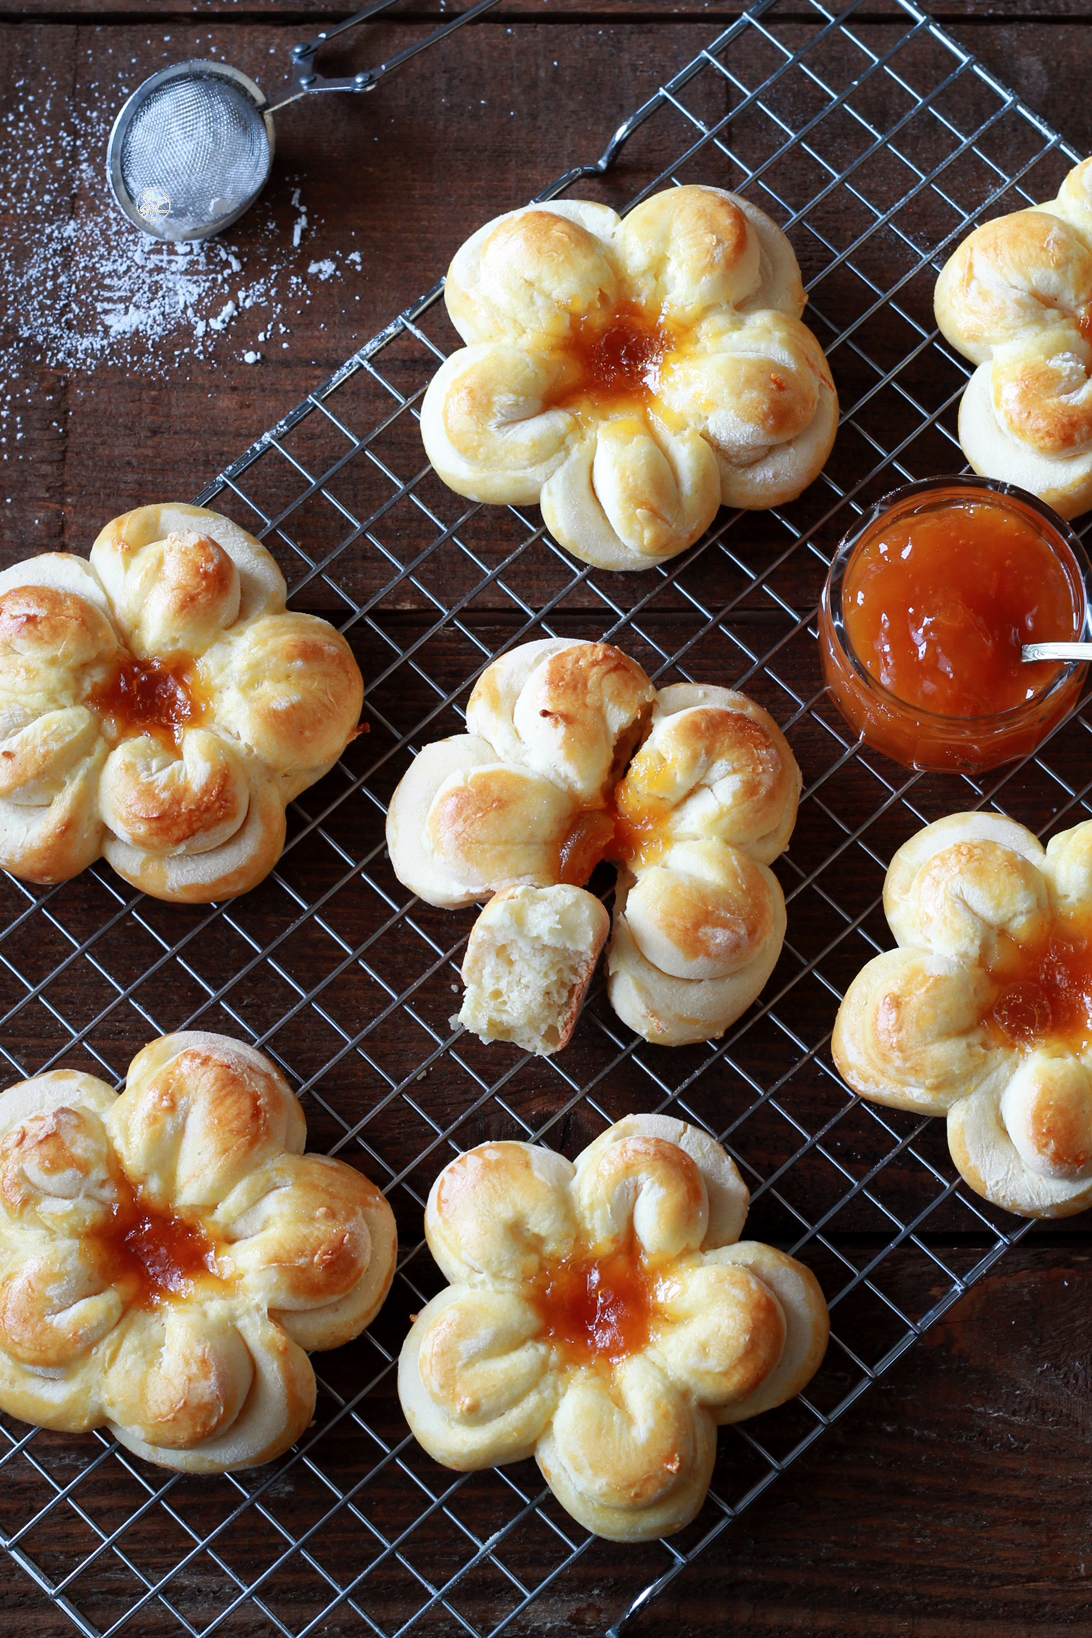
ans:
(925, 610)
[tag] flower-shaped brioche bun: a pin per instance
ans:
(168, 1255)
(630, 376)
(1016, 299)
(604, 1317)
(159, 707)
(574, 757)
(982, 1013)
(529, 961)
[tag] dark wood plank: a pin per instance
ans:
(92, 430)
(309, 13)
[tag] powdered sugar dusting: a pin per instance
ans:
(82, 287)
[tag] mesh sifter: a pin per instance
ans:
(192, 148)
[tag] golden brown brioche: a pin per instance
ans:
(699, 918)
(630, 376)
(604, 1317)
(1016, 299)
(169, 1256)
(982, 1013)
(574, 757)
(158, 706)
(573, 712)
(528, 964)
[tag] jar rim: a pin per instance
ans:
(1050, 523)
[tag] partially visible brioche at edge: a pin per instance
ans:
(1014, 298)
(528, 965)
(169, 1255)
(159, 706)
(980, 1014)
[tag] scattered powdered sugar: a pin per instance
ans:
(224, 316)
(300, 224)
(80, 287)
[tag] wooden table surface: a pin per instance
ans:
(953, 1499)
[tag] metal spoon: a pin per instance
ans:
(1056, 651)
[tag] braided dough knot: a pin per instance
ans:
(630, 376)
(984, 1011)
(605, 1317)
(1016, 299)
(168, 1256)
(573, 757)
(158, 706)
(647, 1187)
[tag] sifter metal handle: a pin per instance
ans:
(303, 56)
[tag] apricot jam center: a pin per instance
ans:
(622, 832)
(938, 605)
(618, 364)
(144, 695)
(1044, 992)
(153, 1254)
(587, 844)
(596, 1308)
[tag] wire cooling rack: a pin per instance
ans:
(876, 145)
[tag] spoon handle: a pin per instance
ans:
(1056, 651)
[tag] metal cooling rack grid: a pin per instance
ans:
(349, 988)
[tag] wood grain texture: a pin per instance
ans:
(408, 172)
(309, 13)
(949, 1503)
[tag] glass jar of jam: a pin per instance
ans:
(925, 610)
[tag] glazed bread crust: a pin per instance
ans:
(736, 404)
(626, 1444)
(574, 757)
(185, 799)
(208, 1370)
(1015, 299)
(913, 1032)
(699, 918)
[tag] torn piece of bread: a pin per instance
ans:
(528, 965)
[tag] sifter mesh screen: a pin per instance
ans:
(196, 151)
